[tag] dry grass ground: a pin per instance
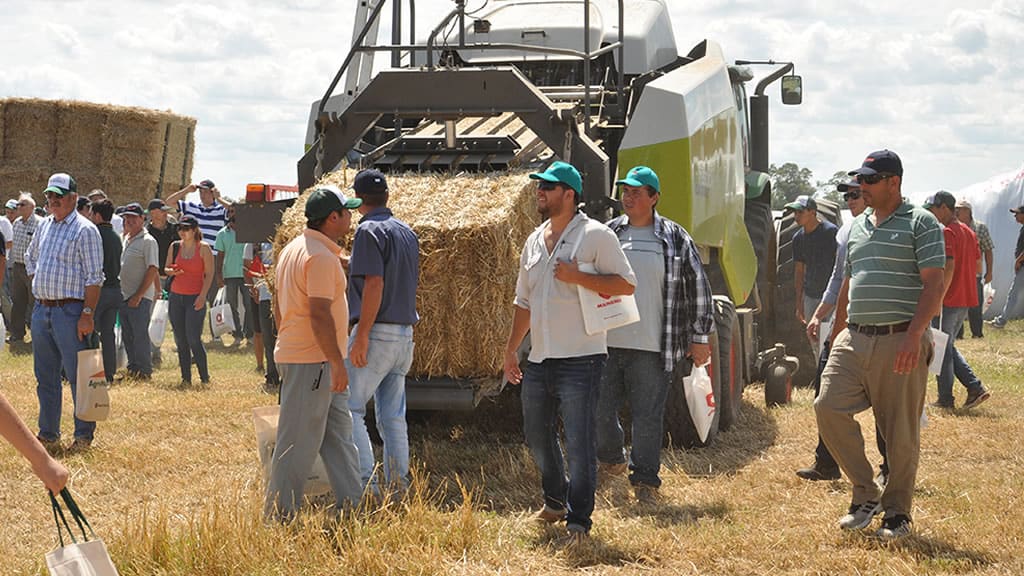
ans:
(172, 485)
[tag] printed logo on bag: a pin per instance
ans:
(710, 399)
(607, 300)
(219, 317)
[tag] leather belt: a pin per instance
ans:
(879, 330)
(59, 302)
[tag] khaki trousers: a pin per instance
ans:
(859, 375)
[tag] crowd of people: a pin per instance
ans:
(338, 329)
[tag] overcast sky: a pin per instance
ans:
(940, 84)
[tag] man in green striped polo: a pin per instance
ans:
(892, 289)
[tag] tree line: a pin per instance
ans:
(790, 181)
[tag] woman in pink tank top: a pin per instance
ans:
(190, 266)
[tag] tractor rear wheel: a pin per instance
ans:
(729, 366)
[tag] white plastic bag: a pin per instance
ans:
(939, 340)
(3, 332)
(265, 419)
(988, 295)
(700, 398)
(158, 323)
(122, 352)
(221, 321)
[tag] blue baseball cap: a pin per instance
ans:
(370, 181)
(641, 176)
(562, 173)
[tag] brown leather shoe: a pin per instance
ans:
(818, 472)
(550, 515)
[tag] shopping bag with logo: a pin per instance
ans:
(221, 321)
(158, 323)
(700, 398)
(603, 312)
(86, 558)
(939, 340)
(92, 391)
(265, 419)
(3, 332)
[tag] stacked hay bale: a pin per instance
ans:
(131, 153)
(471, 230)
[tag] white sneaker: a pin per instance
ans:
(860, 515)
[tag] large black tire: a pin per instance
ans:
(730, 362)
(679, 429)
(757, 216)
(787, 329)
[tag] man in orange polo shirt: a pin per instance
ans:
(312, 317)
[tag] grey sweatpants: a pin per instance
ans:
(311, 424)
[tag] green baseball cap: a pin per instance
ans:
(802, 202)
(327, 199)
(562, 173)
(641, 176)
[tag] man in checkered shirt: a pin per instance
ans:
(65, 261)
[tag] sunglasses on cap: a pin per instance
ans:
(852, 195)
(873, 178)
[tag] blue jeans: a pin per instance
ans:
(187, 326)
(1012, 307)
(135, 335)
(383, 379)
(232, 288)
(106, 317)
(55, 345)
(640, 377)
(953, 363)
(566, 387)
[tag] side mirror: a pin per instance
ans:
(792, 90)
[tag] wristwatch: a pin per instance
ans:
(86, 311)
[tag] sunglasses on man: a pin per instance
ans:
(853, 195)
(873, 178)
(548, 186)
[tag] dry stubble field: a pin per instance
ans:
(173, 487)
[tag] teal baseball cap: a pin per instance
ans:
(641, 176)
(562, 173)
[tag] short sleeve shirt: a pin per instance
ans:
(387, 247)
(211, 219)
(884, 264)
(233, 253)
(309, 267)
(139, 253)
(556, 319)
(962, 245)
(164, 238)
(817, 252)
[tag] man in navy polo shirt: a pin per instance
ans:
(814, 255)
(384, 274)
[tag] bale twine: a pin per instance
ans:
(118, 149)
(471, 230)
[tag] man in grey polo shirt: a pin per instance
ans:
(880, 360)
(564, 369)
(139, 271)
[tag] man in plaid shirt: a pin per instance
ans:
(65, 261)
(675, 304)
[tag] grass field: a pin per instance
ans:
(173, 487)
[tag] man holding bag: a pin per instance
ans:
(65, 262)
(563, 373)
(675, 321)
(139, 262)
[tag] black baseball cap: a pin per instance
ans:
(135, 209)
(187, 221)
(940, 198)
(207, 184)
(847, 186)
(1018, 209)
(157, 204)
(880, 161)
(370, 181)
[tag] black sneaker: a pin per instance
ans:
(976, 396)
(860, 515)
(894, 527)
(819, 472)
